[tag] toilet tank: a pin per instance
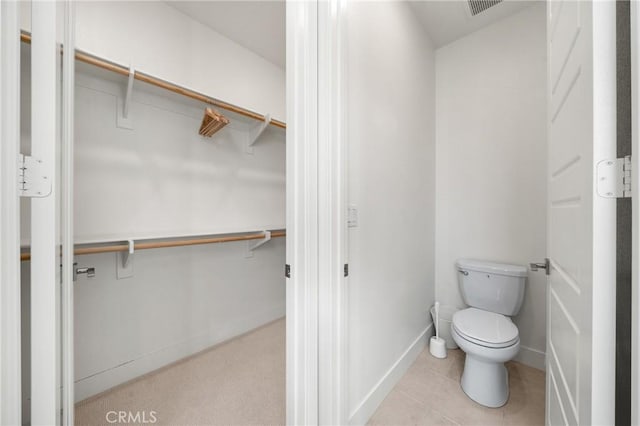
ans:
(494, 287)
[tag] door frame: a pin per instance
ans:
(317, 353)
(301, 214)
(52, 245)
(603, 310)
(635, 158)
(10, 309)
(66, 223)
(333, 232)
(45, 302)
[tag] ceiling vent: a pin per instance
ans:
(479, 6)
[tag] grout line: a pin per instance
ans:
(405, 394)
(451, 420)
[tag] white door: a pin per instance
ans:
(581, 224)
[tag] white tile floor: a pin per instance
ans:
(430, 394)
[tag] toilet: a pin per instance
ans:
(484, 331)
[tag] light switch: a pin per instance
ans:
(352, 216)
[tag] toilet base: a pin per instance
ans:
(487, 383)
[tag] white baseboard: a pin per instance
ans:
(365, 409)
(104, 380)
(531, 357)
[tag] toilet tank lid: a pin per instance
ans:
(492, 267)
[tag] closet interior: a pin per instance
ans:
(179, 213)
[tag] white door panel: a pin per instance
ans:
(570, 250)
(556, 411)
(573, 109)
(581, 312)
(567, 27)
(564, 343)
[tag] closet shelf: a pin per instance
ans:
(114, 247)
(110, 66)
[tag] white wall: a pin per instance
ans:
(391, 181)
(162, 178)
(160, 41)
(491, 160)
(163, 42)
(180, 301)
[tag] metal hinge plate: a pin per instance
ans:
(287, 271)
(546, 266)
(32, 179)
(614, 178)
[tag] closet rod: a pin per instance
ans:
(164, 244)
(118, 69)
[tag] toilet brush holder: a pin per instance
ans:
(437, 347)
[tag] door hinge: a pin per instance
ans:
(32, 179)
(287, 271)
(346, 269)
(546, 266)
(614, 178)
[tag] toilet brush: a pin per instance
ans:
(437, 345)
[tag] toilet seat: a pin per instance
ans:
(485, 328)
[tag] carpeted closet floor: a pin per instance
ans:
(238, 382)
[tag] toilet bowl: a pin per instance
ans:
(484, 331)
(488, 340)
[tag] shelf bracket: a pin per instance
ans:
(123, 119)
(256, 132)
(125, 261)
(251, 246)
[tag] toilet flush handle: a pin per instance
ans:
(465, 273)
